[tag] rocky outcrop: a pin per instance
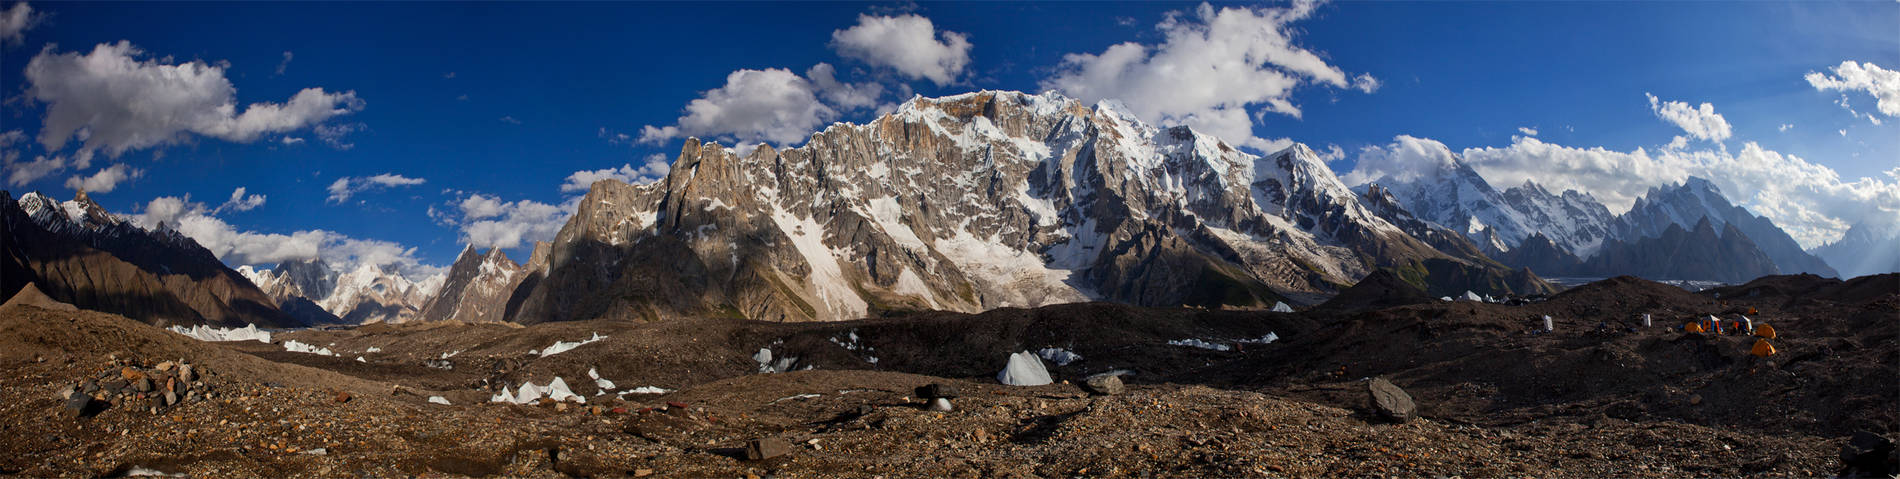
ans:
(76, 252)
(1700, 253)
(969, 203)
(1696, 199)
(477, 288)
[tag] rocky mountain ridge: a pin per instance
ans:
(967, 203)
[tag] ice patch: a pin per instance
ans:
(1196, 343)
(529, 393)
(373, 349)
(1471, 296)
(1024, 369)
(1269, 338)
(646, 390)
(826, 279)
(207, 333)
(360, 359)
(1062, 357)
(565, 346)
(599, 382)
(1281, 307)
(439, 400)
(297, 347)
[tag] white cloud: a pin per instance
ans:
(238, 247)
(291, 140)
(1784, 127)
(1852, 76)
(333, 135)
(510, 120)
(772, 105)
(1701, 122)
(1211, 69)
(1407, 159)
(909, 44)
(240, 202)
(20, 173)
(348, 186)
(15, 21)
(113, 101)
(847, 96)
(281, 66)
(489, 222)
(105, 180)
(653, 169)
(1527, 131)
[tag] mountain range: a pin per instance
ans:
(963, 203)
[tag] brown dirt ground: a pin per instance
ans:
(1496, 398)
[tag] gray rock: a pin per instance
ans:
(1106, 384)
(766, 448)
(171, 398)
(143, 385)
(67, 392)
(1390, 401)
(79, 405)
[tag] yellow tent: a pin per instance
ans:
(1765, 331)
(1762, 349)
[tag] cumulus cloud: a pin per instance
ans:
(15, 21)
(239, 202)
(909, 44)
(240, 247)
(113, 101)
(848, 96)
(1527, 131)
(1701, 122)
(348, 186)
(653, 169)
(105, 180)
(1211, 71)
(1810, 201)
(773, 105)
(20, 173)
(1407, 159)
(1852, 76)
(489, 222)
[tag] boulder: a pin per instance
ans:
(940, 405)
(1869, 455)
(1390, 401)
(1106, 384)
(766, 448)
(80, 405)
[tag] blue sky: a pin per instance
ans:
(477, 114)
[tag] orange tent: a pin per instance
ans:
(1762, 349)
(1693, 327)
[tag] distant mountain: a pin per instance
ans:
(367, 294)
(1575, 222)
(1869, 247)
(1452, 195)
(968, 203)
(1696, 254)
(1697, 198)
(477, 288)
(77, 252)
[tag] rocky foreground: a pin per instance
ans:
(1491, 392)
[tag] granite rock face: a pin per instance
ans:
(968, 203)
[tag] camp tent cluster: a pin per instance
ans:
(1742, 325)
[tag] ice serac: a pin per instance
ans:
(1697, 198)
(968, 203)
(77, 252)
(476, 289)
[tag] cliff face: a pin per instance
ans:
(968, 203)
